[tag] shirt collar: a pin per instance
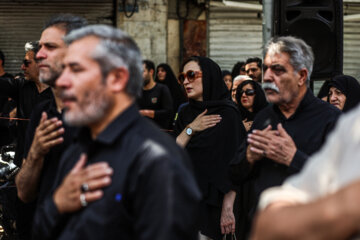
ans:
(307, 99)
(118, 126)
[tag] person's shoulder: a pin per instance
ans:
(156, 143)
(324, 107)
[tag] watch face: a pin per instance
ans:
(189, 131)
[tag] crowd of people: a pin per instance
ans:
(110, 146)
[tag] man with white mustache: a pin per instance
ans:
(293, 126)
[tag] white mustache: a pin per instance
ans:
(271, 86)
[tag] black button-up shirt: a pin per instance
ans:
(153, 194)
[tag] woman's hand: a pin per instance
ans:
(202, 121)
(227, 220)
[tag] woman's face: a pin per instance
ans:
(194, 89)
(228, 81)
(337, 98)
(247, 97)
(161, 74)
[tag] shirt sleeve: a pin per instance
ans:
(163, 115)
(164, 198)
(316, 179)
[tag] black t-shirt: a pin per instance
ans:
(159, 99)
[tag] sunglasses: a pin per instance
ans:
(248, 92)
(26, 62)
(190, 75)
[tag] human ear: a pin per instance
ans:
(117, 79)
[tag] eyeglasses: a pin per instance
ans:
(190, 75)
(26, 62)
(248, 92)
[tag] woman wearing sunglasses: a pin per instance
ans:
(208, 128)
(251, 99)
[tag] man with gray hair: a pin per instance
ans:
(27, 93)
(122, 178)
(293, 127)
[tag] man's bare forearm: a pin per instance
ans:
(27, 180)
(334, 217)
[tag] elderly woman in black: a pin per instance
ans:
(251, 99)
(201, 128)
(344, 92)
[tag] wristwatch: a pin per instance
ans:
(189, 131)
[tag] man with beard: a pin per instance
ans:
(293, 127)
(47, 137)
(155, 102)
(121, 178)
(26, 93)
(253, 69)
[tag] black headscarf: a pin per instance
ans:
(212, 149)
(176, 91)
(324, 90)
(350, 87)
(259, 100)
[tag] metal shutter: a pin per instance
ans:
(234, 35)
(22, 21)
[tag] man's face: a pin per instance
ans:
(279, 72)
(146, 75)
(83, 91)
(253, 71)
(30, 67)
(51, 54)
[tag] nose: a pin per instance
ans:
(41, 54)
(267, 75)
(64, 80)
(23, 67)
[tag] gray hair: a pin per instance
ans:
(32, 46)
(301, 54)
(116, 49)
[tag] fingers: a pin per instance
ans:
(43, 117)
(93, 195)
(203, 113)
(282, 131)
(80, 164)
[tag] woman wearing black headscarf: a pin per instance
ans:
(251, 99)
(344, 92)
(166, 76)
(208, 128)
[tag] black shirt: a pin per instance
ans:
(308, 127)
(159, 99)
(26, 96)
(153, 195)
(50, 165)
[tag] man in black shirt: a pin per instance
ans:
(294, 126)
(155, 102)
(26, 93)
(6, 105)
(47, 137)
(121, 178)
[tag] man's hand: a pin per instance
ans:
(96, 176)
(275, 145)
(47, 135)
(252, 153)
(147, 113)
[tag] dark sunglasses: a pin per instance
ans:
(26, 62)
(248, 92)
(190, 75)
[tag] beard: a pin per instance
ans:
(50, 77)
(91, 109)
